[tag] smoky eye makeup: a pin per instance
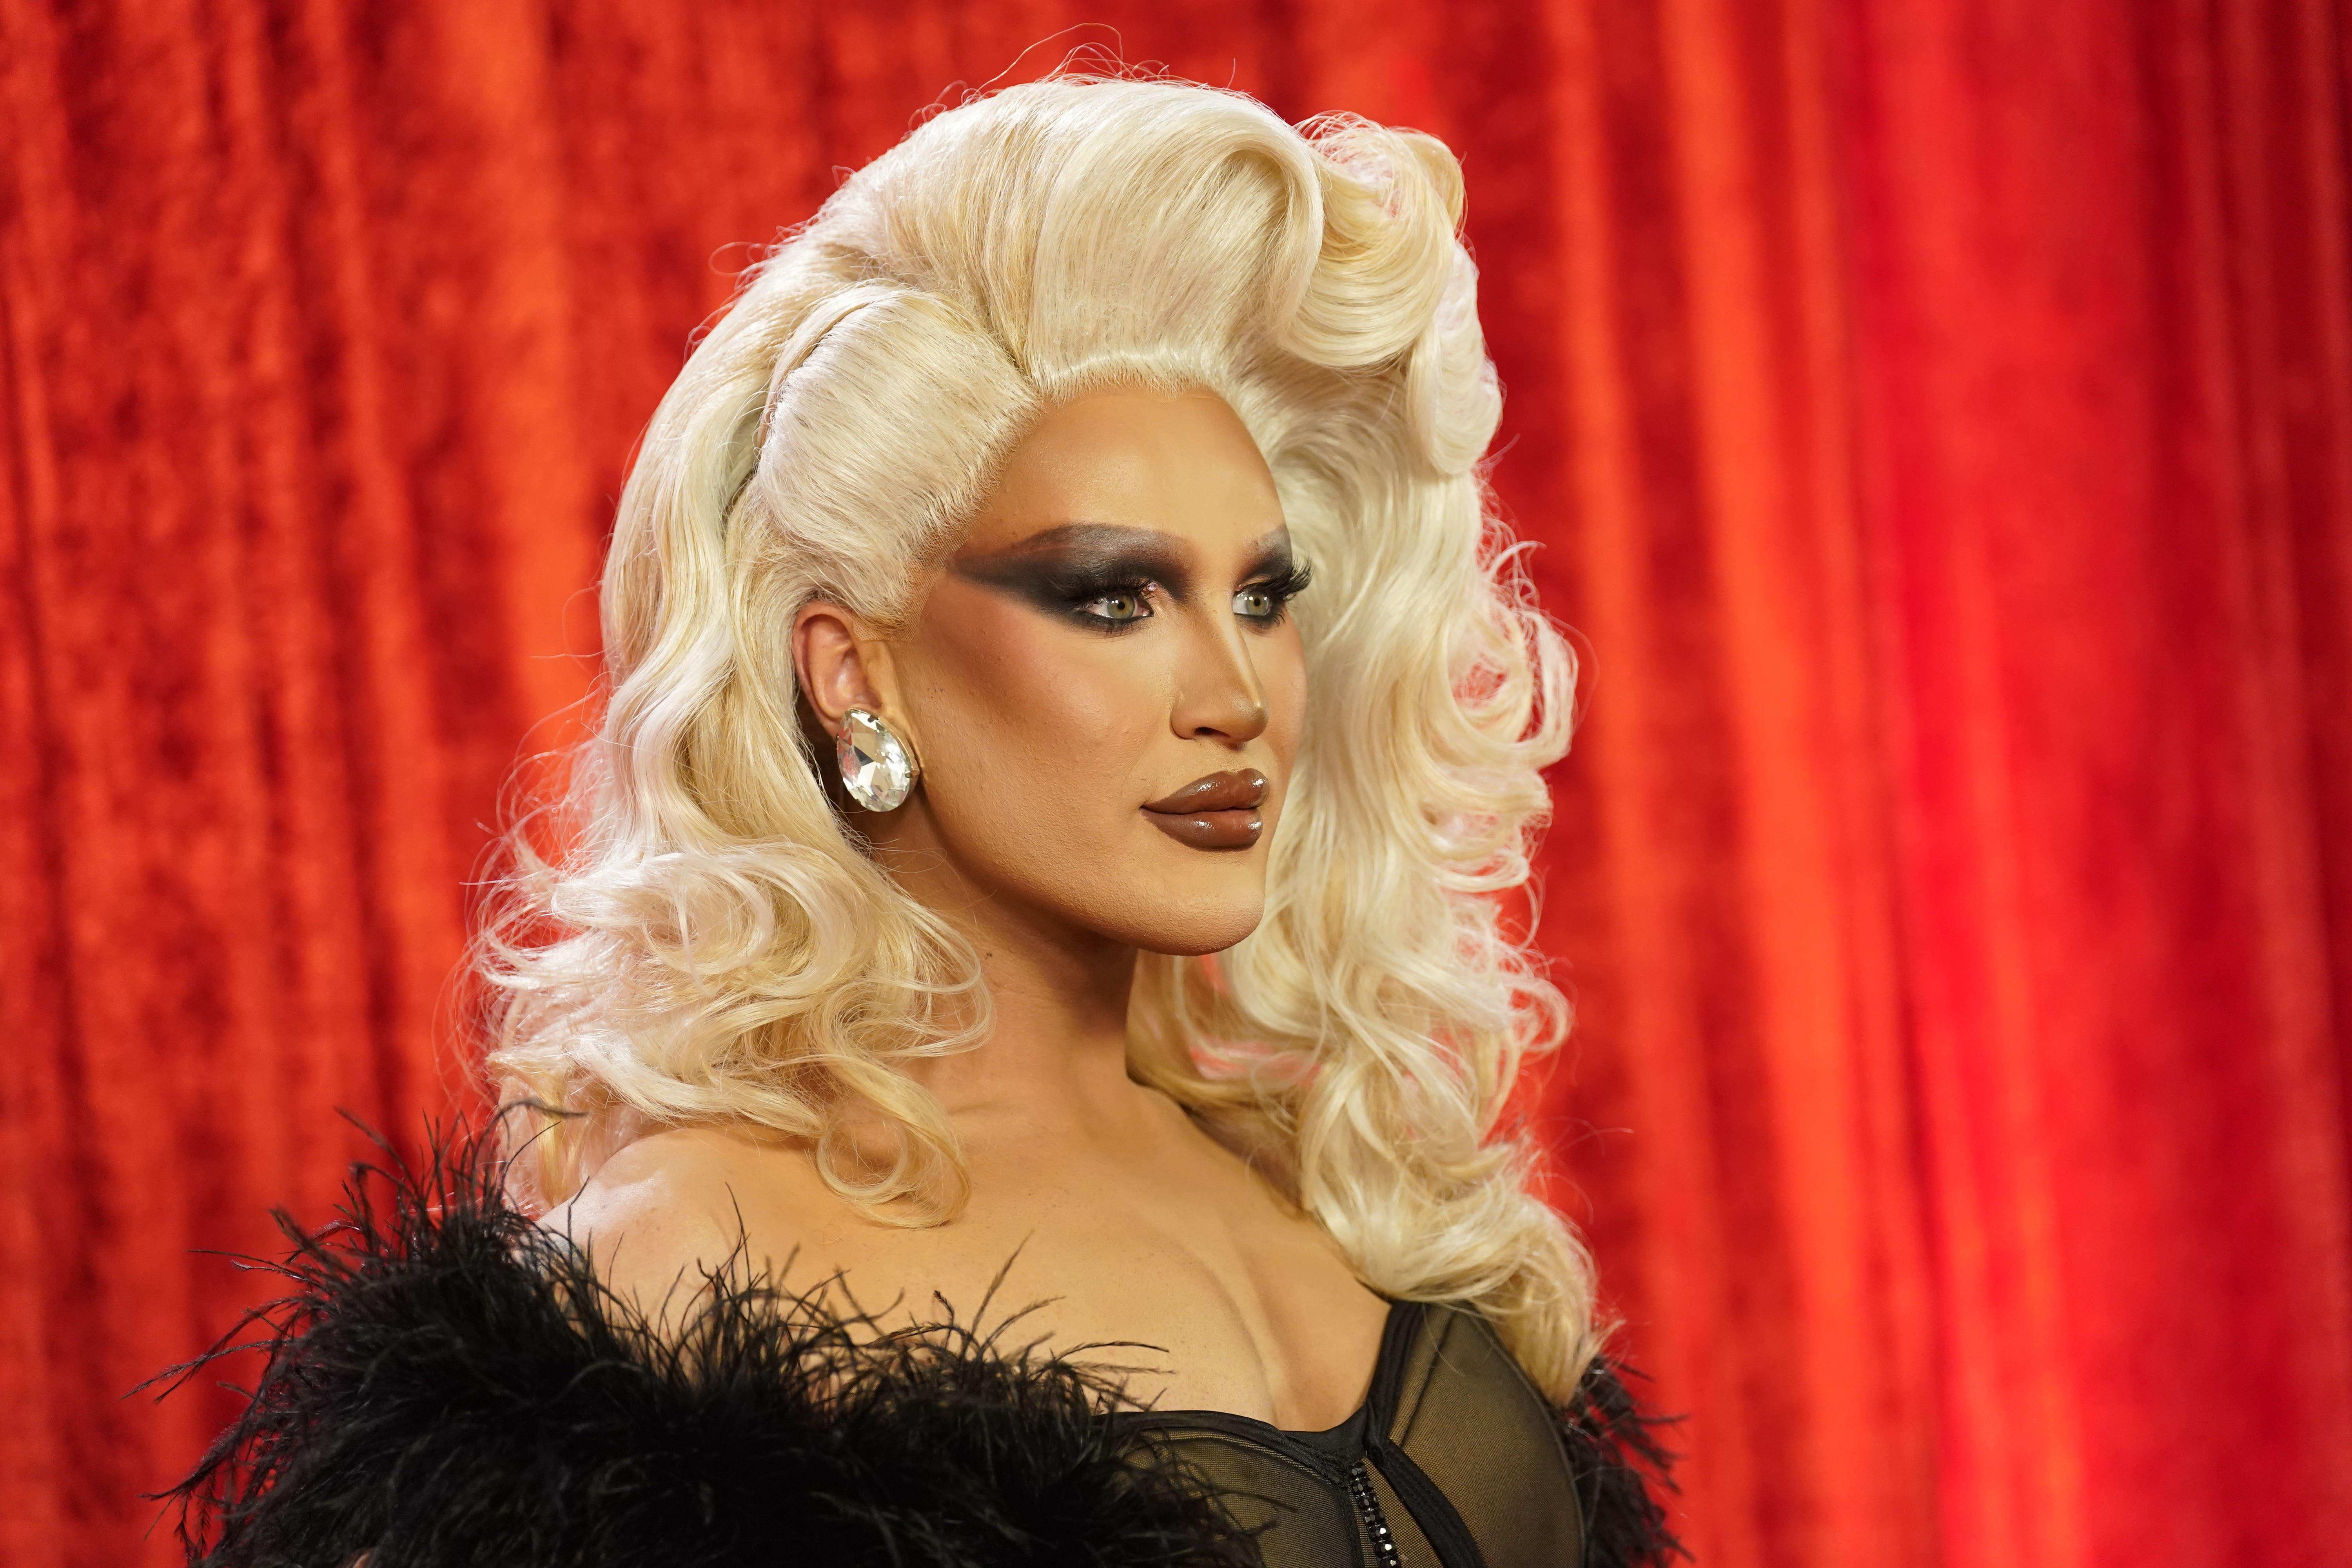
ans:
(1103, 593)
(1273, 577)
(1101, 577)
(1111, 579)
(1264, 598)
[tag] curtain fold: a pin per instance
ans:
(1935, 419)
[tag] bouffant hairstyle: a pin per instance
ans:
(717, 941)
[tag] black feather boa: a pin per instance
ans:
(449, 1385)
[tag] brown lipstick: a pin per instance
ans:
(1219, 812)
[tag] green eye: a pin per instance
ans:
(1123, 605)
(1254, 603)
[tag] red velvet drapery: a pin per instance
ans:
(1938, 419)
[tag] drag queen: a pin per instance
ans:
(1010, 1069)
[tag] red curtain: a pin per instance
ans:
(1936, 418)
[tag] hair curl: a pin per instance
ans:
(717, 942)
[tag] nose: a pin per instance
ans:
(1218, 695)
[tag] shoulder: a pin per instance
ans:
(446, 1382)
(670, 1211)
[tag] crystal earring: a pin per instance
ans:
(876, 766)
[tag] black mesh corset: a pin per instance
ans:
(1452, 1462)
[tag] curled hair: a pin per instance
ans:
(717, 942)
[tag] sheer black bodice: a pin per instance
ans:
(1452, 1461)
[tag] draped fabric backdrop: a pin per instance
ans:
(1936, 418)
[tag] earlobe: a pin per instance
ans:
(845, 673)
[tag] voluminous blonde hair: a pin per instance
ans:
(718, 943)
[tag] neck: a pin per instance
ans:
(1059, 1039)
(1056, 1051)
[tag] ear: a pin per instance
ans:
(840, 662)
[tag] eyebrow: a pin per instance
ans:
(1101, 537)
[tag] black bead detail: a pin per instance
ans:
(1368, 1508)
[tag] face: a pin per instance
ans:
(1103, 684)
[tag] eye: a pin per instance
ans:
(1264, 604)
(1118, 607)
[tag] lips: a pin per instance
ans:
(1219, 812)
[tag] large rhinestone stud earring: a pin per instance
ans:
(876, 765)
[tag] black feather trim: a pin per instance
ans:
(448, 1384)
(1618, 1461)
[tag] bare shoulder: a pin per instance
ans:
(673, 1206)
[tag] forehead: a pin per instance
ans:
(1180, 464)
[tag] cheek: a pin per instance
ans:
(1028, 731)
(1282, 675)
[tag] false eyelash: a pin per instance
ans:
(1281, 590)
(1287, 587)
(1077, 590)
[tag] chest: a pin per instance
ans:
(1207, 1295)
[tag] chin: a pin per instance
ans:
(1194, 928)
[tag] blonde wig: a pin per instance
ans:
(718, 944)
